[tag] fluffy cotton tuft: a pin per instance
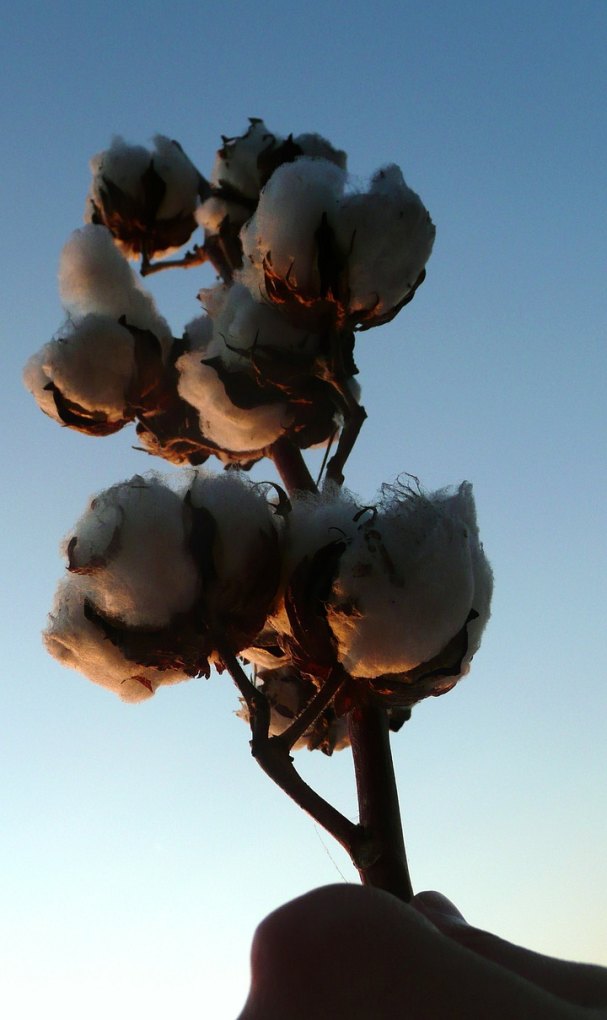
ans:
(145, 197)
(92, 366)
(283, 230)
(95, 278)
(241, 512)
(132, 545)
(389, 236)
(77, 643)
(408, 582)
(232, 427)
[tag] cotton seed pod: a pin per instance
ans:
(399, 595)
(95, 278)
(78, 643)
(235, 540)
(133, 546)
(253, 377)
(146, 198)
(334, 259)
(142, 583)
(245, 163)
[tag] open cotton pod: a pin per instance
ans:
(158, 578)
(399, 593)
(145, 197)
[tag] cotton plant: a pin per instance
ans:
(333, 616)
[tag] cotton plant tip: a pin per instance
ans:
(89, 370)
(132, 546)
(94, 277)
(79, 644)
(146, 198)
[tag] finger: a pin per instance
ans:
(348, 951)
(578, 983)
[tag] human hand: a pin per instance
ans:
(354, 952)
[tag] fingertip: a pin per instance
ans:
(435, 906)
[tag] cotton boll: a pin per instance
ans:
(389, 235)
(236, 164)
(211, 214)
(232, 428)
(145, 198)
(124, 165)
(91, 366)
(180, 176)
(317, 147)
(407, 583)
(241, 574)
(95, 277)
(243, 325)
(36, 380)
(241, 512)
(78, 644)
(283, 230)
(317, 519)
(135, 554)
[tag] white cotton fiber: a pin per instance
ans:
(232, 428)
(241, 513)
(125, 166)
(180, 177)
(92, 365)
(236, 163)
(241, 325)
(95, 277)
(282, 230)
(317, 519)
(408, 582)
(390, 236)
(131, 543)
(77, 643)
(122, 164)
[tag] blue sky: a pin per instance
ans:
(140, 845)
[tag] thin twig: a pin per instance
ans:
(272, 754)
(291, 466)
(196, 257)
(315, 706)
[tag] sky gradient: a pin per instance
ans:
(140, 845)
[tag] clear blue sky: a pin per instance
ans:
(140, 845)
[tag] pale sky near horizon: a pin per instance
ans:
(140, 845)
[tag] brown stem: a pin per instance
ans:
(291, 466)
(378, 800)
(315, 706)
(196, 257)
(272, 754)
(353, 424)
